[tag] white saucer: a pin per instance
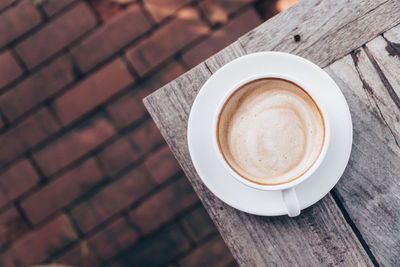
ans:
(214, 175)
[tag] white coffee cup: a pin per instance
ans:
(288, 189)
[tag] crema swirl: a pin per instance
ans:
(270, 131)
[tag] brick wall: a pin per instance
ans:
(85, 177)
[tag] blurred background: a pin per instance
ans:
(85, 177)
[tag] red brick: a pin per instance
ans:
(127, 109)
(218, 11)
(56, 35)
(112, 199)
(12, 226)
(232, 264)
(5, 3)
(17, 180)
(160, 78)
(167, 41)
(111, 37)
(159, 249)
(212, 253)
(9, 68)
(162, 165)
(163, 206)
(51, 7)
(222, 37)
(160, 9)
(74, 144)
(27, 134)
(119, 263)
(62, 191)
(146, 137)
(107, 9)
(11, 147)
(115, 237)
(36, 127)
(93, 91)
(6, 260)
(81, 255)
(268, 9)
(47, 240)
(198, 224)
(17, 21)
(37, 88)
(118, 156)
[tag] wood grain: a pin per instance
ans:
(329, 30)
(386, 52)
(376, 211)
(369, 189)
(320, 236)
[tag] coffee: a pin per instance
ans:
(270, 131)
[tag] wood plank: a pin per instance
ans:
(333, 28)
(320, 236)
(386, 52)
(369, 189)
(329, 29)
(224, 56)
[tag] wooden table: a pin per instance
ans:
(358, 223)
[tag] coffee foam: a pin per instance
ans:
(270, 131)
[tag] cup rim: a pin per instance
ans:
(308, 173)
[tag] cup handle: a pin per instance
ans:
(291, 202)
